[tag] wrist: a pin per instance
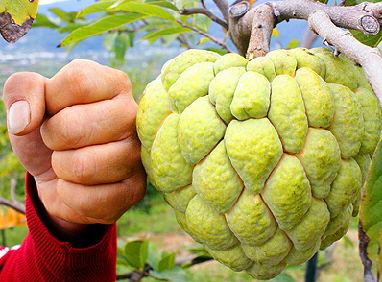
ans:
(79, 235)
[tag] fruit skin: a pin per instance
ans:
(262, 161)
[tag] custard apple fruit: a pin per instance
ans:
(263, 160)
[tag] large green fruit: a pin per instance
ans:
(263, 160)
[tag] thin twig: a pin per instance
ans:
(202, 33)
(13, 189)
(184, 41)
(14, 205)
(207, 13)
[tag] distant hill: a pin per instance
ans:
(42, 42)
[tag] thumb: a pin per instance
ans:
(24, 100)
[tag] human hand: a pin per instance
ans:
(75, 133)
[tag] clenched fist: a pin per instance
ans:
(75, 133)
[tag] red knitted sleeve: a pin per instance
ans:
(42, 257)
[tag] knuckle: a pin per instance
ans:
(123, 79)
(13, 83)
(138, 189)
(77, 75)
(69, 132)
(80, 166)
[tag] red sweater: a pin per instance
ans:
(42, 257)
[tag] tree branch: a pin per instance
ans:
(14, 204)
(207, 13)
(19, 207)
(326, 21)
(223, 7)
(202, 33)
(363, 17)
(363, 244)
(369, 58)
(308, 39)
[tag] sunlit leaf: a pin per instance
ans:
(220, 51)
(95, 8)
(143, 8)
(294, 43)
(10, 218)
(275, 33)
(63, 15)
(16, 17)
(163, 3)
(203, 40)
(100, 26)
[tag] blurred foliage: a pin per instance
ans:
(371, 207)
(10, 167)
(128, 22)
(141, 258)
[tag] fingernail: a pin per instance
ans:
(19, 117)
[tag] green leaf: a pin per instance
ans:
(100, 26)
(167, 262)
(163, 3)
(63, 15)
(69, 27)
(371, 205)
(294, 43)
(204, 40)
(370, 40)
(379, 266)
(176, 274)
(122, 42)
(136, 253)
(95, 8)
(153, 36)
(356, 2)
(43, 21)
(143, 8)
(220, 51)
(153, 256)
(202, 22)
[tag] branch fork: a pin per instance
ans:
(251, 33)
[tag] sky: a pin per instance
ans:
(45, 2)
